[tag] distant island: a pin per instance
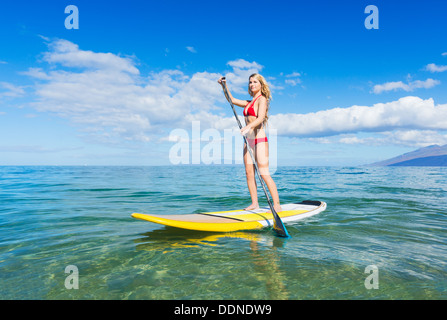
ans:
(431, 156)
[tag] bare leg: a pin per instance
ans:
(251, 180)
(262, 158)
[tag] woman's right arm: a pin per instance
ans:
(236, 102)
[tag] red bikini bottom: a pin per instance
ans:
(254, 142)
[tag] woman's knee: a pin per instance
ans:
(249, 170)
(264, 171)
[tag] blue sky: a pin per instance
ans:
(131, 83)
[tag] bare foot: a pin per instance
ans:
(252, 207)
(277, 208)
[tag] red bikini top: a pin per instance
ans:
(250, 111)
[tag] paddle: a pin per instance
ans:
(278, 225)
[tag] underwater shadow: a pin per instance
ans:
(170, 237)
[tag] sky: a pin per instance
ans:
(135, 82)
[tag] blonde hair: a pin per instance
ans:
(265, 91)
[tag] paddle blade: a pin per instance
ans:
(278, 226)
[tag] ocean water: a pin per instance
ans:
(391, 220)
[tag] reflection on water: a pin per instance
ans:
(169, 238)
(275, 280)
(265, 258)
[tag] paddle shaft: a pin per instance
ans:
(278, 225)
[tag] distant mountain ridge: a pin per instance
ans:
(436, 161)
(433, 155)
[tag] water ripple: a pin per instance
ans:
(51, 217)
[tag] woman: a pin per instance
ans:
(256, 116)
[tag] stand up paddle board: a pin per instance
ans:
(228, 221)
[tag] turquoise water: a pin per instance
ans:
(53, 217)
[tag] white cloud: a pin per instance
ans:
(191, 49)
(11, 90)
(292, 82)
(35, 149)
(352, 140)
(242, 70)
(405, 113)
(435, 68)
(407, 138)
(36, 73)
(110, 101)
(399, 85)
(293, 79)
(244, 64)
(415, 138)
(67, 54)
